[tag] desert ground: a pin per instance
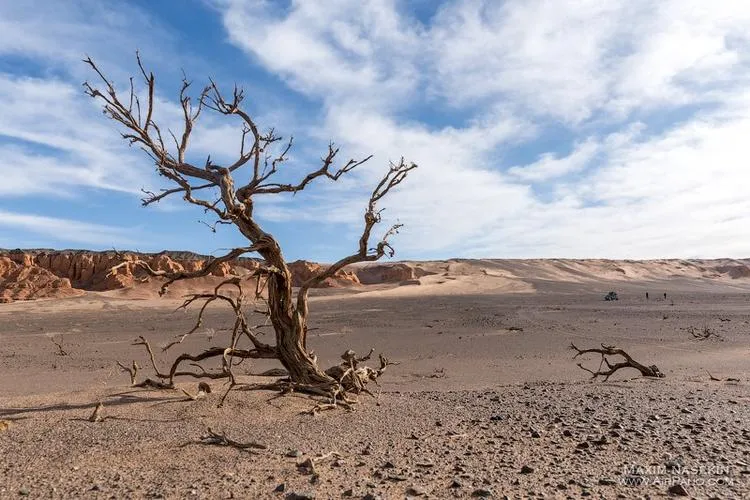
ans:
(486, 401)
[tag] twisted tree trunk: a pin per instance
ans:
(234, 206)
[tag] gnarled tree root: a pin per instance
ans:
(609, 350)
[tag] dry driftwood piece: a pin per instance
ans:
(221, 439)
(229, 196)
(307, 466)
(609, 350)
(715, 379)
(59, 344)
(97, 416)
(132, 371)
(704, 334)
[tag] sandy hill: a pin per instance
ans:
(41, 273)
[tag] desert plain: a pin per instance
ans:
(486, 401)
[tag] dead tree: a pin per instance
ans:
(260, 157)
(610, 350)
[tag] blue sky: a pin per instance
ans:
(580, 128)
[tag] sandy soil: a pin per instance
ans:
(486, 400)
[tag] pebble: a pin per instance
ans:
(678, 490)
(295, 495)
(481, 493)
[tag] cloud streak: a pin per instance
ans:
(610, 128)
(624, 185)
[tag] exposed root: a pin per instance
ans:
(213, 438)
(150, 383)
(353, 378)
(609, 350)
(132, 371)
(273, 372)
(203, 389)
(97, 416)
(308, 465)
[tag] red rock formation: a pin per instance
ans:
(19, 282)
(91, 270)
(84, 270)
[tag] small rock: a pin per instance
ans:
(280, 488)
(397, 478)
(295, 495)
(414, 491)
(535, 434)
(678, 490)
(481, 493)
(293, 453)
(23, 492)
(527, 469)
(348, 493)
(605, 481)
(583, 445)
(455, 484)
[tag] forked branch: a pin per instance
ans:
(609, 350)
(372, 216)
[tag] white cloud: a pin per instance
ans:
(67, 230)
(604, 70)
(650, 96)
(550, 165)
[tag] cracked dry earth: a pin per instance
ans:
(627, 439)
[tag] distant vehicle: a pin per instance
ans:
(611, 296)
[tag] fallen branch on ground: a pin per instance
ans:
(59, 345)
(213, 438)
(609, 350)
(704, 334)
(308, 466)
(96, 416)
(728, 379)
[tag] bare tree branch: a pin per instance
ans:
(396, 174)
(608, 350)
(235, 205)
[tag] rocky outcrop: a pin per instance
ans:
(85, 270)
(29, 282)
(303, 270)
(386, 273)
(735, 272)
(91, 270)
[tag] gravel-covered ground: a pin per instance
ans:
(486, 402)
(627, 439)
